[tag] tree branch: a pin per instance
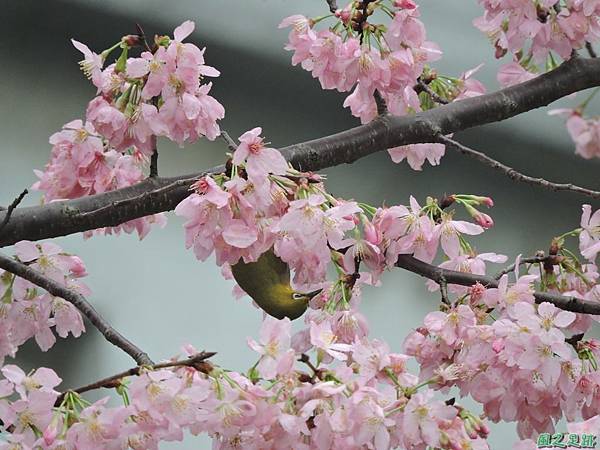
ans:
(114, 337)
(332, 5)
(590, 50)
(382, 108)
(438, 274)
(154, 158)
(534, 259)
(67, 217)
(11, 208)
(512, 173)
(231, 145)
(434, 96)
(197, 361)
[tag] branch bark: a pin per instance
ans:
(113, 336)
(67, 217)
(440, 275)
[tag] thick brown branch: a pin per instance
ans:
(63, 218)
(512, 173)
(439, 275)
(114, 337)
(11, 208)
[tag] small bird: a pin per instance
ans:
(267, 281)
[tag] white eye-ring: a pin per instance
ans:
(297, 296)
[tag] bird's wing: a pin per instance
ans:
(277, 266)
(255, 277)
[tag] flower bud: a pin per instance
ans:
(131, 40)
(481, 218)
(50, 433)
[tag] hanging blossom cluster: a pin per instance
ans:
(262, 203)
(521, 362)
(27, 311)
(160, 93)
(390, 59)
(584, 131)
(81, 164)
(276, 405)
(534, 31)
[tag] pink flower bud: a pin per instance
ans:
(484, 220)
(483, 430)
(488, 202)
(76, 267)
(50, 433)
(344, 15)
(371, 234)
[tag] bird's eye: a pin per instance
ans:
(297, 296)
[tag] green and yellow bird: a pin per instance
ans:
(267, 281)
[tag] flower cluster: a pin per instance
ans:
(389, 59)
(532, 30)
(158, 94)
(261, 203)
(589, 238)
(584, 131)
(363, 397)
(81, 164)
(28, 312)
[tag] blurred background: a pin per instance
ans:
(155, 291)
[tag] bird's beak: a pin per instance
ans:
(313, 293)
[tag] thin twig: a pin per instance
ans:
(304, 358)
(231, 145)
(154, 158)
(58, 290)
(11, 208)
(444, 290)
(435, 273)
(434, 95)
(512, 173)
(197, 361)
(590, 50)
(332, 5)
(380, 102)
(523, 261)
(142, 36)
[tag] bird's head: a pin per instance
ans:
(284, 301)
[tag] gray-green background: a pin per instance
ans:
(155, 291)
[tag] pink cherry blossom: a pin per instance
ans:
(259, 160)
(589, 238)
(274, 346)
